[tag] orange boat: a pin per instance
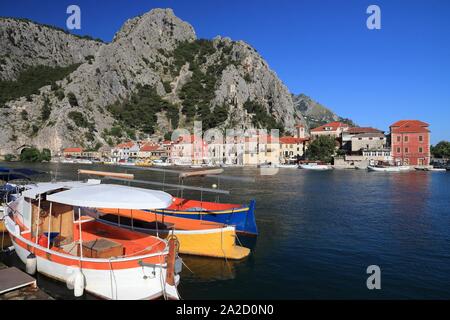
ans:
(196, 237)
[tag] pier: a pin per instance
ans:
(17, 285)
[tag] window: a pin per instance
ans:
(406, 150)
(420, 138)
(398, 150)
(406, 138)
(420, 150)
(398, 138)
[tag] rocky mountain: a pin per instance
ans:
(314, 113)
(155, 76)
(24, 43)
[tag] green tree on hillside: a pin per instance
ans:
(441, 150)
(321, 149)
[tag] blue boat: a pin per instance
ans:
(240, 216)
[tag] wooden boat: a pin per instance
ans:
(196, 237)
(315, 166)
(240, 216)
(52, 236)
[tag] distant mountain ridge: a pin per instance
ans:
(314, 113)
(155, 76)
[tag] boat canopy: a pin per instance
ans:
(9, 174)
(110, 196)
(35, 190)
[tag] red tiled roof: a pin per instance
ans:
(333, 125)
(409, 126)
(356, 130)
(73, 150)
(417, 123)
(128, 145)
(291, 140)
(149, 147)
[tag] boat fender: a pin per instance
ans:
(78, 283)
(31, 264)
(178, 265)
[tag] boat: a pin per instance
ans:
(240, 216)
(9, 191)
(437, 169)
(161, 163)
(52, 236)
(196, 237)
(145, 163)
(384, 168)
(315, 166)
(287, 166)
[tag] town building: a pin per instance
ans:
(151, 151)
(261, 149)
(410, 142)
(72, 152)
(125, 151)
(332, 129)
(292, 149)
(368, 142)
(353, 131)
(189, 150)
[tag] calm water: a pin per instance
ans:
(318, 233)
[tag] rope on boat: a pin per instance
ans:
(112, 277)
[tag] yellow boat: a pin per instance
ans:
(196, 237)
(145, 163)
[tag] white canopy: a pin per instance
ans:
(34, 190)
(111, 196)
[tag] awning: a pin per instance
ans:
(110, 196)
(32, 191)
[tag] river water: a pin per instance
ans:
(319, 231)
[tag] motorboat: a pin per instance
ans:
(315, 166)
(384, 168)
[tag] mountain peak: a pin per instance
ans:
(158, 27)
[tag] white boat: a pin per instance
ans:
(161, 163)
(315, 166)
(384, 169)
(52, 236)
(287, 166)
(437, 169)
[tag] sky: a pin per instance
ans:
(321, 48)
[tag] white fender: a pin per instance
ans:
(31, 264)
(78, 283)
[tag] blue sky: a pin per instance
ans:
(318, 47)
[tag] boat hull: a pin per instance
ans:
(121, 279)
(384, 169)
(315, 167)
(199, 238)
(243, 219)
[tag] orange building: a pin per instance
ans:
(410, 142)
